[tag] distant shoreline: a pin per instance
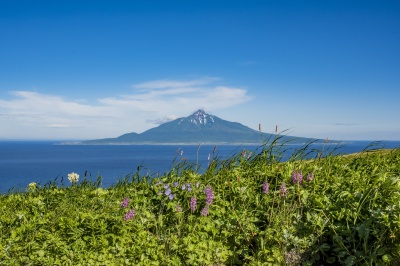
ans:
(194, 143)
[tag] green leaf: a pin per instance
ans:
(350, 260)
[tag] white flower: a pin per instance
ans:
(73, 177)
(32, 186)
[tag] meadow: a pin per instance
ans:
(251, 209)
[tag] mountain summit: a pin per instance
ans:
(197, 128)
(200, 118)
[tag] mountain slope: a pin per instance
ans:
(197, 128)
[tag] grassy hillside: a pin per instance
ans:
(250, 209)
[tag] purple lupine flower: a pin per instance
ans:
(265, 187)
(171, 196)
(193, 203)
(297, 177)
(204, 211)
(209, 198)
(207, 190)
(130, 215)
(178, 208)
(176, 184)
(310, 177)
(168, 192)
(166, 186)
(283, 189)
(125, 203)
(209, 195)
(183, 187)
(189, 189)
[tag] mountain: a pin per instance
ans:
(197, 128)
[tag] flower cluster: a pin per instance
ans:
(130, 215)
(265, 187)
(204, 211)
(125, 203)
(32, 186)
(297, 177)
(168, 191)
(209, 195)
(187, 186)
(169, 194)
(193, 203)
(73, 177)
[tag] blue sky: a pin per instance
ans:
(94, 69)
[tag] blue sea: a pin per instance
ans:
(22, 162)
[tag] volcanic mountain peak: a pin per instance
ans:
(200, 117)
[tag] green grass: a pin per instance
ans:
(348, 214)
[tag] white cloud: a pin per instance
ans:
(35, 115)
(162, 120)
(165, 83)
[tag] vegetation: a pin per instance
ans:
(249, 209)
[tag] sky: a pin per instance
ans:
(75, 70)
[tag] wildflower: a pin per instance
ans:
(189, 189)
(193, 203)
(197, 185)
(297, 177)
(176, 184)
(178, 208)
(125, 203)
(310, 177)
(73, 177)
(166, 186)
(207, 190)
(265, 187)
(130, 215)
(204, 211)
(209, 195)
(183, 187)
(293, 257)
(32, 186)
(168, 192)
(283, 189)
(171, 196)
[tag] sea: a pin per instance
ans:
(23, 162)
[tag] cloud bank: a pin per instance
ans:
(32, 115)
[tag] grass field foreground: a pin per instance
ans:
(250, 209)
